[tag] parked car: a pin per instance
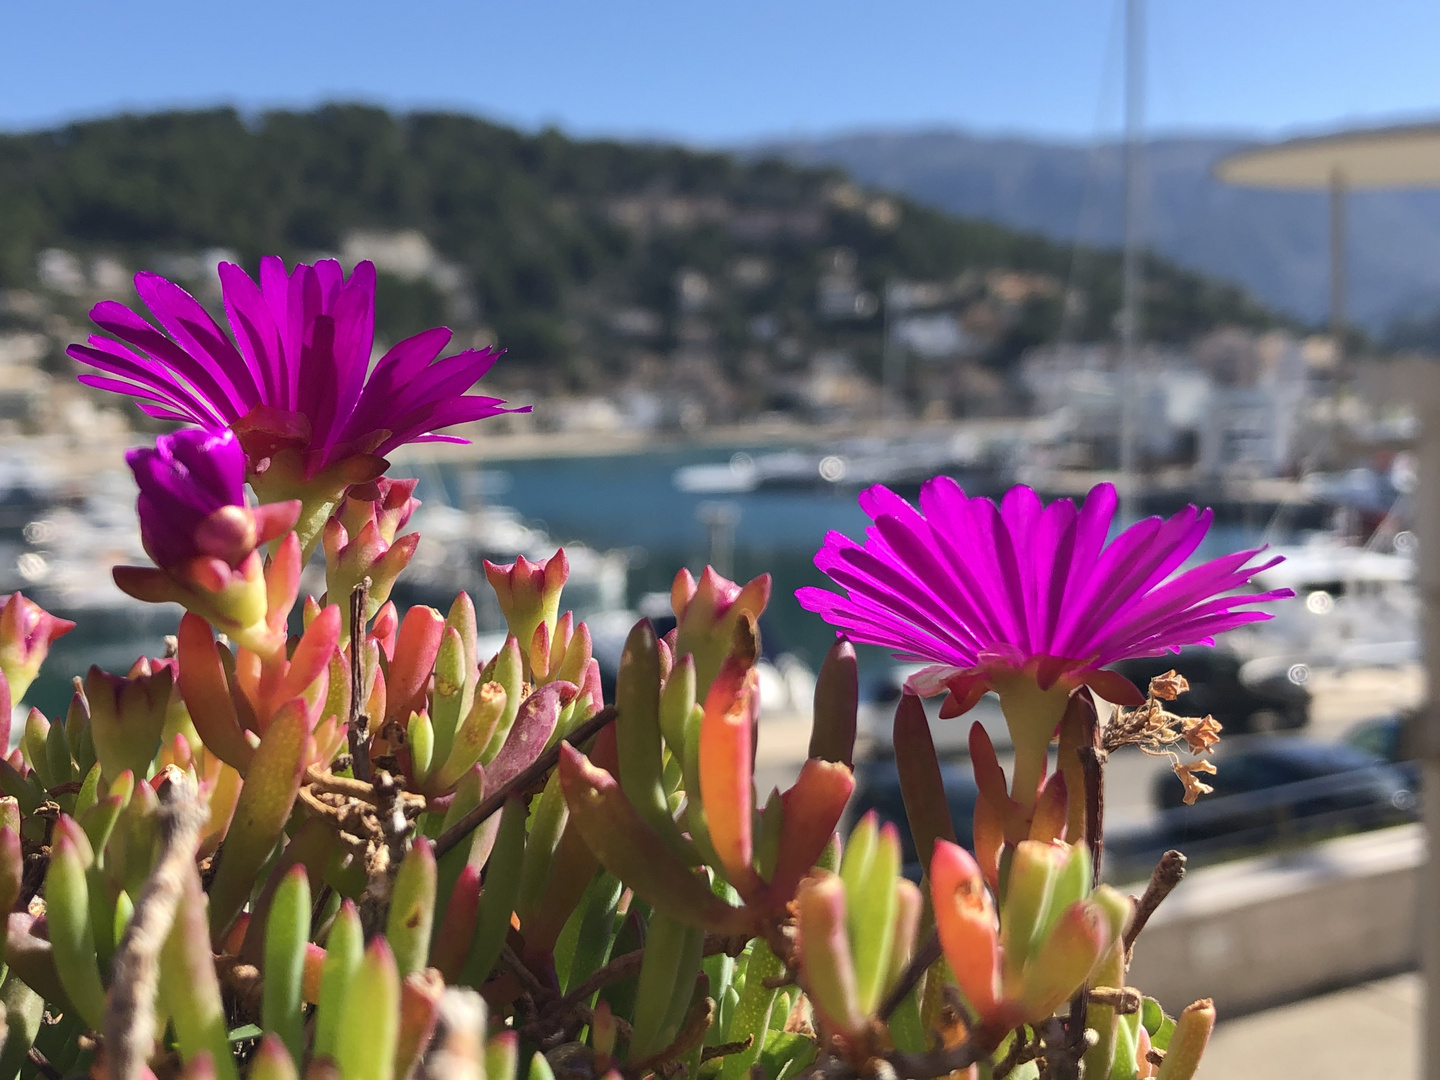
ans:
(877, 787)
(1390, 737)
(1393, 738)
(1286, 787)
(1245, 697)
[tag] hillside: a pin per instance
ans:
(593, 263)
(1275, 244)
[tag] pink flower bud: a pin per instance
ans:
(529, 593)
(26, 632)
(127, 715)
(969, 937)
(205, 540)
(353, 556)
(707, 613)
(385, 502)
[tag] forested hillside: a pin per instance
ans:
(585, 259)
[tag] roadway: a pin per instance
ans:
(1340, 699)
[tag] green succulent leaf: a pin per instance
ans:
(271, 786)
(287, 930)
(787, 1054)
(344, 949)
(24, 1010)
(1158, 1025)
(412, 908)
(72, 937)
(497, 902)
(637, 734)
(667, 977)
(750, 1017)
(370, 1019)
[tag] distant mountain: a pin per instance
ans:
(1274, 244)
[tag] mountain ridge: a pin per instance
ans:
(1273, 244)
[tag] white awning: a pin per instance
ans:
(1394, 157)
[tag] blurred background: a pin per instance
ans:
(748, 259)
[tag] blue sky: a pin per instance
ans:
(722, 72)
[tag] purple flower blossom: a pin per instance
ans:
(183, 482)
(293, 373)
(980, 590)
(206, 542)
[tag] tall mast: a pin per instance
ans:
(1130, 282)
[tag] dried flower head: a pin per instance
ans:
(1202, 734)
(1160, 733)
(1169, 686)
(1194, 788)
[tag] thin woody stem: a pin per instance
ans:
(936, 1063)
(541, 765)
(1163, 879)
(920, 963)
(1092, 767)
(130, 1013)
(357, 727)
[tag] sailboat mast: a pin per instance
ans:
(1130, 282)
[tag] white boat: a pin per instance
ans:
(1354, 607)
(850, 464)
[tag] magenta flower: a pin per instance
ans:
(192, 498)
(205, 541)
(291, 377)
(1027, 600)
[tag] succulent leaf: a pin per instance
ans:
(287, 929)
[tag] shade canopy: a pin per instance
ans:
(1395, 157)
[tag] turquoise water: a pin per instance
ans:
(623, 501)
(631, 501)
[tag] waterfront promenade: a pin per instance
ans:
(1365, 1032)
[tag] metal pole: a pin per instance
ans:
(892, 369)
(1130, 281)
(1337, 262)
(1427, 522)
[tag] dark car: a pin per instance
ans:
(1288, 787)
(877, 787)
(1241, 696)
(1390, 737)
(1393, 738)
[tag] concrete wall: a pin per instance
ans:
(1255, 933)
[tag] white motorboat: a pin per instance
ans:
(1354, 607)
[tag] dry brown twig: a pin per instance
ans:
(1123, 1000)
(357, 733)
(1163, 879)
(925, 956)
(493, 801)
(130, 1012)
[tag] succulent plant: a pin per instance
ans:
(365, 850)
